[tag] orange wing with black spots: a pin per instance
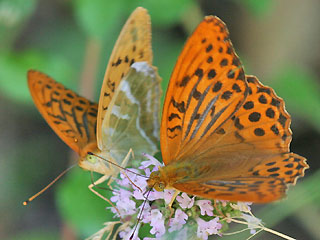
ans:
(224, 135)
(247, 158)
(245, 189)
(133, 45)
(206, 88)
(261, 124)
(72, 117)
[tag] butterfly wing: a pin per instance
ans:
(72, 117)
(132, 119)
(246, 189)
(266, 182)
(206, 88)
(258, 131)
(247, 158)
(133, 45)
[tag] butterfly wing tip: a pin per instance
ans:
(209, 18)
(141, 9)
(30, 71)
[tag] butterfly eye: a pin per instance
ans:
(161, 186)
(91, 159)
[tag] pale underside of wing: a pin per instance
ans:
(132, 119)
(72, 117)
(206, 88)
(133, 45)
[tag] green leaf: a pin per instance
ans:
(36, 235)
(14, 68)
(300, 90)
(166, 52)
(166, 12)
(13, 14)
(260, 7)
(301, 195)
(82, 209)
(99, 18)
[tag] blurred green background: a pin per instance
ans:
(71, 41)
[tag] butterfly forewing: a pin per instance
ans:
(72, 117)
(206, 88)
(133, 114)
(133, 45)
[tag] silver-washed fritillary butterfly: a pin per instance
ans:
(127, 116)
(223, 134)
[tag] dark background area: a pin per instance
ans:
(71, 40)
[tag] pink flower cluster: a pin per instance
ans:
(129, 198)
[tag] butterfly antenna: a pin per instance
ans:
(92, 154)
(140, 215)
(46, 187)
(126, 175)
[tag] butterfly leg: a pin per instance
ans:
(171, 202)
(99, 181)
(173, 198)
(127, 157)
(124, 163)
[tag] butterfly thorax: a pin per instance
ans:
(157, 181)
(168, 175)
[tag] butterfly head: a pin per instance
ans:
(156, 181)
(94, 162)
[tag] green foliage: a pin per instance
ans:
(37, 235)
(14, 68)
(174, 10)
(300, 90)
(260, 7)
(13, 14)
(165, 56)
(96, 18)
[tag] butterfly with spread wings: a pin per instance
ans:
(223, 134)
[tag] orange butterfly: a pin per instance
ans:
(223, 134)
(122, 119)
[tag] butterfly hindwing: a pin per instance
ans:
(264, 183)
(246, 189)
(133, 116)
(288, 167)
(72, 117)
